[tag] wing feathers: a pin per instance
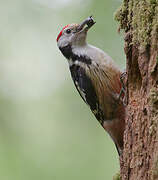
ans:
(86, 90)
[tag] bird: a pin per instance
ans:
(96, 77)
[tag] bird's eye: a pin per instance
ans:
(68, 31)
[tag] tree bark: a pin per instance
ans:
(139, 20)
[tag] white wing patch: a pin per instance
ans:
(81, 91)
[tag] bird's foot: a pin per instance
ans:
(122, 95)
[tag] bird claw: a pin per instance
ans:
(122, 95)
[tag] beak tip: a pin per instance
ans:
(90, 21)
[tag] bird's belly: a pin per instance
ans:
(115, 129)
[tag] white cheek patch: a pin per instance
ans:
(63, 41)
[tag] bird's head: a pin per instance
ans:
(74, 34)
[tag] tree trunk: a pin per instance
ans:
(139, 20)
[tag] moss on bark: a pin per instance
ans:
(117, 176)
(141, 18)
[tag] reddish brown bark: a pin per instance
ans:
(140, 156)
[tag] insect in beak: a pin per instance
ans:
(89, 22)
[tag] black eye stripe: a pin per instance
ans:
(68, 31)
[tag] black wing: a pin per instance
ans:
(86, 90)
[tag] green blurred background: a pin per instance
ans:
(46, 130)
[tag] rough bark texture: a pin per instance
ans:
(139, 20)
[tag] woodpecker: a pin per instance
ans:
(96, 78)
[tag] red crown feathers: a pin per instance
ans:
(59, 35)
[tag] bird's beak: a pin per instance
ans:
(89, 22)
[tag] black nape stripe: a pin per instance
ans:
(83, 59)
(67, 52)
